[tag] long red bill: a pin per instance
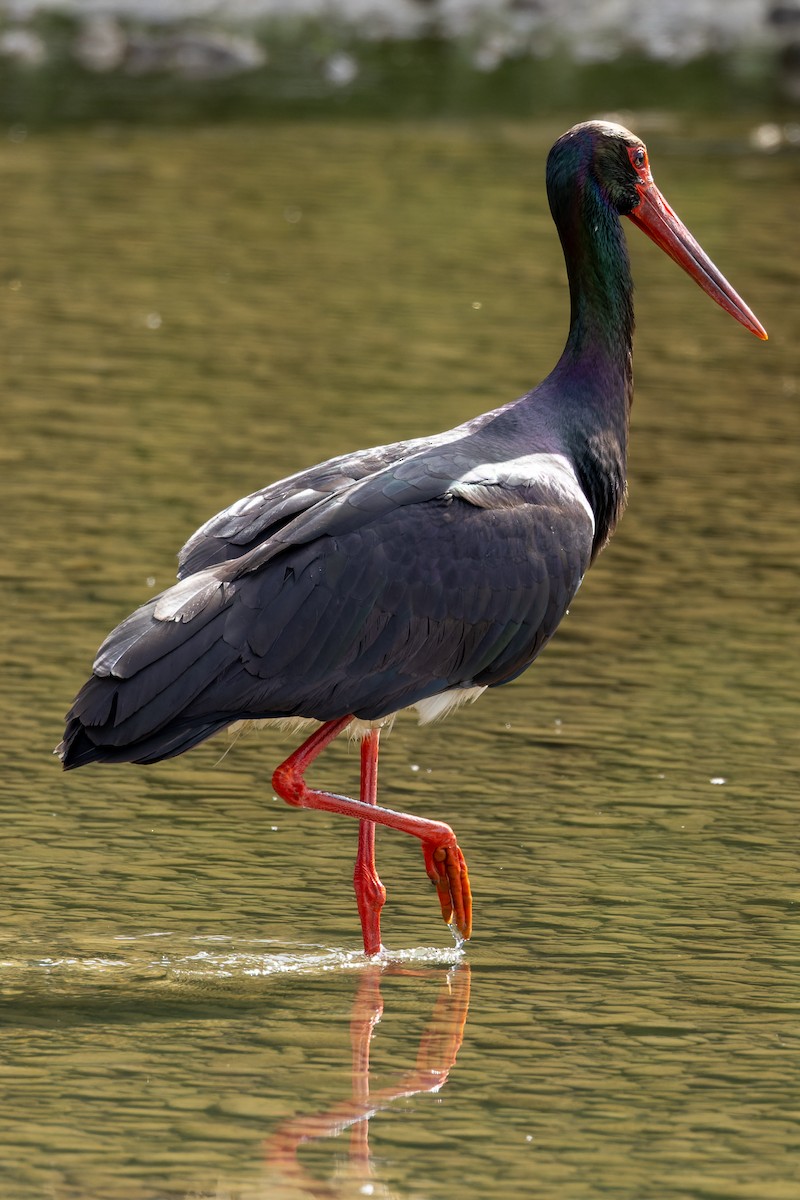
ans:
(655, 217)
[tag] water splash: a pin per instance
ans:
(305, 960)
(201, 960)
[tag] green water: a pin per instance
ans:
(191, 313)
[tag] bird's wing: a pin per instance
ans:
(436, 469)
(255, 518)
(385, 601)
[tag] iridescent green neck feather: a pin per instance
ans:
(593, 378)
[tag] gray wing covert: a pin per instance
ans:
(420, 599)
(252, 520)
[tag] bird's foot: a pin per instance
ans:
(447, 870)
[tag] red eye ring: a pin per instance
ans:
(638, 157)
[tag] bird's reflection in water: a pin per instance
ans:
(438, 1048)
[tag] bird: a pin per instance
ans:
(416, 575)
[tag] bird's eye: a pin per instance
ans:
(638, 157)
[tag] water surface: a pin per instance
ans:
(189, 314)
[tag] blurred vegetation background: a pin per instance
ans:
(181, 60)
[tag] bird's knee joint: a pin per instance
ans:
(289, 786)
(369, 889)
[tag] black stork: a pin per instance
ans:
(414, 575)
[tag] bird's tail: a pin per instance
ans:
(79, 747)
(144, 699)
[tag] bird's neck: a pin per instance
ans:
(594, 375)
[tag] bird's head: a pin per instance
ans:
(597, 157)
(600, 163)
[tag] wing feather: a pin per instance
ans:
(386, 592)
(255, 518)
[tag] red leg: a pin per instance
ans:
(370, 892)
(444, 861)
